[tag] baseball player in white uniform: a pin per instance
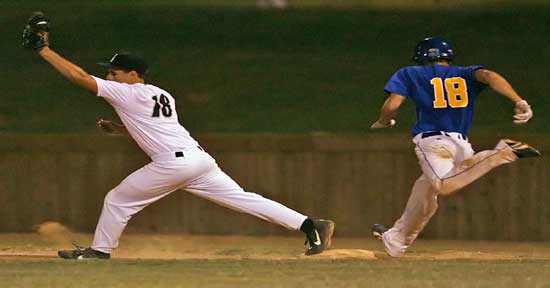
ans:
(148, 115)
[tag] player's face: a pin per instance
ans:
(120, 76)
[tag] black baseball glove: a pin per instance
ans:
(35, 34)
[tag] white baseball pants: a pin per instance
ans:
(195, 172)
(448, 163)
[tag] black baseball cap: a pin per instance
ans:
(126, 61)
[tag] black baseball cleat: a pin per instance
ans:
(81, 253)
(522, 150)
(319, 239)
(378, 230)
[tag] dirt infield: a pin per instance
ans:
(141, 246)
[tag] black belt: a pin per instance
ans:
(441, 133)
(180, 153)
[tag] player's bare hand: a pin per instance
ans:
(107, 126)
(523, 112)
(379, 124)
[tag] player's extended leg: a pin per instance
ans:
(421, 206)
(218, 187)
(137, 191)
(467, 168)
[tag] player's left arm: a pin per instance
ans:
(36, 37)
(69, 70)
(497, 83)
(500, 85)
(388, 111)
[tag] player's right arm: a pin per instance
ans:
(500, 85)
(388, 111)
(398, 90)
(69, 70)
(111, 127)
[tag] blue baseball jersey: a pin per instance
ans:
(444, 95)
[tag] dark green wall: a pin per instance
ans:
(237, 69)
(241, 69)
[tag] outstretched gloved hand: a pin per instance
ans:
(35, 34)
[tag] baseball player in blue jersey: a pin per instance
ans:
(444, 96)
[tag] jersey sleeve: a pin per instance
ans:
(469, 74)
(398, 84)
(113, 91)
(469, 71)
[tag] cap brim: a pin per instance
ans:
(111, 66)
(104, 64)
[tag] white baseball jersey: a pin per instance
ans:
(149, 115)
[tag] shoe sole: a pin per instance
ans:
(331, 226)
(521, 149)
(527, 152)
(80, 257)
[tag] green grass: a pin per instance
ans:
(287, 273)
(250, 70)
(175, 260)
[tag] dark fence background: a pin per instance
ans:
(356, 180)
(234, 68)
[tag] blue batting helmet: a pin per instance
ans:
(432, 49)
